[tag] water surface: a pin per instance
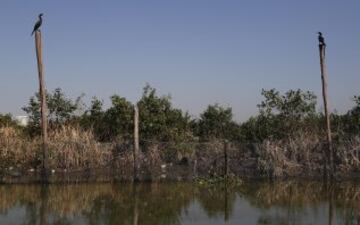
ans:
(261, 203)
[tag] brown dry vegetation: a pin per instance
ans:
(69, 149)
(74, 150)
(304, 156)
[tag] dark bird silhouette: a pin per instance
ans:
(321, 39)
(37, 24)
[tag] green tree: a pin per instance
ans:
(282, 115)
(356, 99)
(93, 119)
(159, 120)
(118, 119)
(60, 109)
(350, 122)
(251, 131)
(217, 122)
(293, 104)
(113, 124)
(6, 120)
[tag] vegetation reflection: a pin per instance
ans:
(159, 203)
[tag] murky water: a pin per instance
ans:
(181, 203)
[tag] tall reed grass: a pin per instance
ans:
(69, 148)
(74, 149)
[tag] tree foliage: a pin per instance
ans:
(60, 109)
(159, 120)
(356, 100)
(6, 120)
(281, 115)
(294, 104)
(216, 122)
(119, 118)
(93, 119)
(349, 123)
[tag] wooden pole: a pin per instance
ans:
(195, 166)
(326, 107)
(226, 167)
(136, 143)
(42, 92)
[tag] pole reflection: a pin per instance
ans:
(171, 203)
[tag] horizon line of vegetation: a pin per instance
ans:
(280, 116)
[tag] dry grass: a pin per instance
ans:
(73, 149)
(17, 151)
(69, 149)
(304, 156)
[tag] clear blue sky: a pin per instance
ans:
(199, 51)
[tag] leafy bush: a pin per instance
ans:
(216, 122)
(348, 125)
(60, 109)
(159, 120)
(6, 120)
(119, 119)
(282, 116)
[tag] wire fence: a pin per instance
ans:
(188, 159)
(208, 157)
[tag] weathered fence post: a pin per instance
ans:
(42, 93)
(136, 143)
(330, 168)
(195, 165)
(226, 167)
(226, 174)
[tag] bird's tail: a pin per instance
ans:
(32, 33)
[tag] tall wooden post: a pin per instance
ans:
(330, 156)
(136, 143)
(226, 167)
(42, 92)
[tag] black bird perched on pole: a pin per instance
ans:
(37, 24)
(321, 39)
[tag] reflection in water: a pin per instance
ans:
(136, 205)
(44, 191)
(217, 201)
(330, 190)
(180, 203)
